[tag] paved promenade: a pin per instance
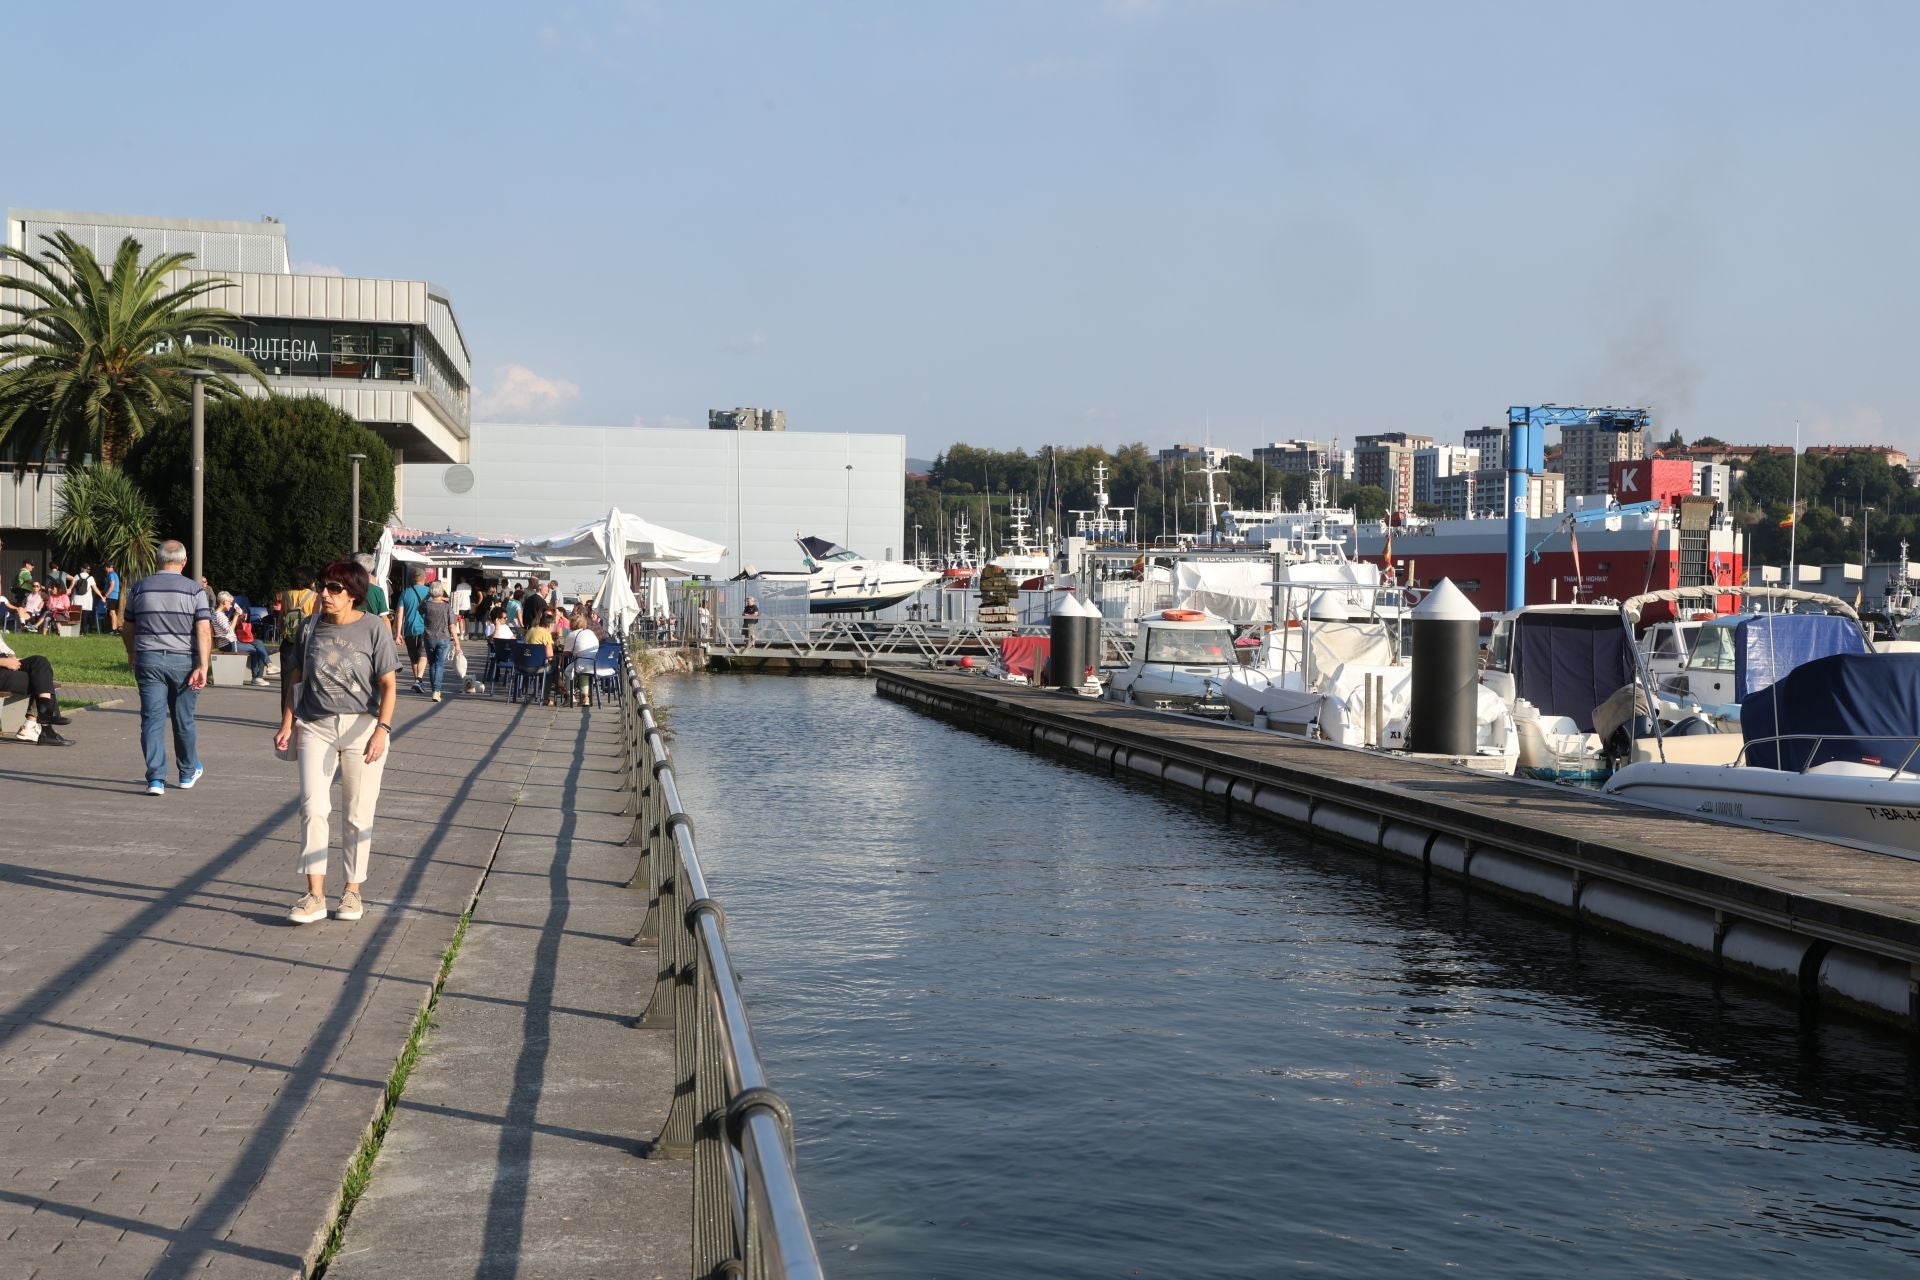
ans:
(184, 1076)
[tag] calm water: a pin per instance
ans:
(1036, 1022)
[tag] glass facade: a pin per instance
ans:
(325, 348)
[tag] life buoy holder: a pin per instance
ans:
(1184, 615)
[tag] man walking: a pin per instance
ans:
(412, 621)
(169, 638)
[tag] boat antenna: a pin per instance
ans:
(1793, 511)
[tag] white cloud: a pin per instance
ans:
(749, 343)
(316, 269)
(520, 394)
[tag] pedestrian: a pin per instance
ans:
(413, 626)
(462, 602)
(512, 607)
(345, 671)
(23, 582)
(749, 619)
(113, 596)
(168, 634)
(54, 576)
(376, 594)
(439, 634)
(34, 677)
(85, 595)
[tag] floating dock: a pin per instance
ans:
(1836, 926)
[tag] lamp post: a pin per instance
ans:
(848, 535)
(916, 542)
(356, 459)
(1866, 518)
(198, 568)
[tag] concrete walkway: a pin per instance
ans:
(184, 1076)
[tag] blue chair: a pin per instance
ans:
(499, 665)
(262, 620)
(530, 665)
(607, 662)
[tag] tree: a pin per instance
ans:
(1709, 442)
(1369, 502)
(92, 360)
(277, 485)
(103, 518)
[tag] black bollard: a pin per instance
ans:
(1089, 628)
(1444, 710)
(1066, 651)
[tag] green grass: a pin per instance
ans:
(360, 1168)
(74, 704)
(78, 659)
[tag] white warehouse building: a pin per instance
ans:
(753, 491)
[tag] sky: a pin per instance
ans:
(1056, 221)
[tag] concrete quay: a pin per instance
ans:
(185, 1077)
(1836, 927)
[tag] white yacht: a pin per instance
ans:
(1181, 660)
(1029, 569)
(843, 581)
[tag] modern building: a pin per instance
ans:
(1588, 453)
(389, 352)
(746, 419)
(1303, 457)
(1482, 494)
(1436, 462)
(754, 491)
(1713, 480)
(1385, 460)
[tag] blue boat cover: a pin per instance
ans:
(1769, 645)
(1855, 696)
(1567, 664)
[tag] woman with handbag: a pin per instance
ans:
(336, 709)
(233, 633)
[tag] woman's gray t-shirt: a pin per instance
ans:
(439, 617)
(341, 663)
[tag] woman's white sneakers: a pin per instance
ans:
(309, 908)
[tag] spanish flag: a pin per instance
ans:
(1787, 523)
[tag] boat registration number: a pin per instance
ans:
(1724, 809)
(1885, 813)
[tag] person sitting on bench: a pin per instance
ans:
(33, 677)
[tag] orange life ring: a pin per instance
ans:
(1183, 615)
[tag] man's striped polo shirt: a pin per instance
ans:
(164, 608)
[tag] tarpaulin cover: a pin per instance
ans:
(1860, 695)
(1025, 656)
(1567, 664)
(1769, 645)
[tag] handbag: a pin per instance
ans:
(243, 632)
(459, 660)
(304, 640)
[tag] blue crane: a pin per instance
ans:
(1526, 453)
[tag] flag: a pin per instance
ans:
(1787, 523)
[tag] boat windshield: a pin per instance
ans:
(1671, 641)
(1500, 650)
(1713, 650)
(1212, 645)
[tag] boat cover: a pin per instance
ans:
(1567, 664)
(1851, 695)
(1025, 656)
(1769, 645)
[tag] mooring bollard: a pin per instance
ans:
(1444, 709)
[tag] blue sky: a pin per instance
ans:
(1061, 220)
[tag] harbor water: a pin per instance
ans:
(1035, 1021)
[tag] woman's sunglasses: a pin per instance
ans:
(333, 586)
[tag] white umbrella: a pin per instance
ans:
(383, 556)
(619, 537)
(614, 602)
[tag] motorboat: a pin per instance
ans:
(1666, 646)
(1181, 660)
(1829, 751)
(1552, 664)
(843, 581)
(1027, 568)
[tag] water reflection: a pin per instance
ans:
(1035, 1021)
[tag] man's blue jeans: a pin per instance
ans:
(437, 651)
(164, 696)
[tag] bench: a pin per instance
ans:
(13, 712)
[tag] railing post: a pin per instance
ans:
(661, 1009)
(682, 988)
(714, 1246)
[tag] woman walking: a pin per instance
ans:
(442, 628)
(343, 666)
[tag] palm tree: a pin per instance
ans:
(90, 360)
(103, 516)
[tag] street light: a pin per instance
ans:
(847, 537)
(199, 378)
(916, 542)
(1866, 518)
(356, 459)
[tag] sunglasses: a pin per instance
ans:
(333, 586)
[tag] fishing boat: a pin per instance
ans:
(1181, 659)
(1828, 750)
(1024, 566)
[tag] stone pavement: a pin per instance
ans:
(184, 1076)
(513, 1151)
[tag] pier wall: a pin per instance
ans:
(1837, 928)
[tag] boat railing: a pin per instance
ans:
(1819, 740)
(748, 1217)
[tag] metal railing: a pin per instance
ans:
(748, 1218)
(1820, 740)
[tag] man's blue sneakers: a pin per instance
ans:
(187, 780)
(156, 788)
